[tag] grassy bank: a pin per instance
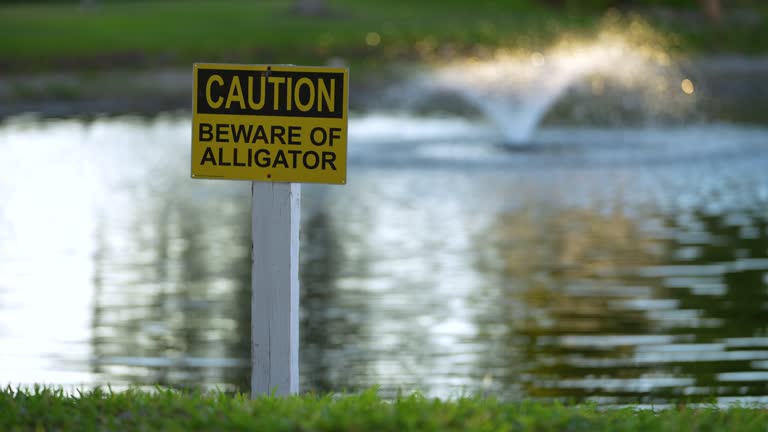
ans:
(40, 37)
(142, 32)
(46, 409)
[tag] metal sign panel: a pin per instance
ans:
(270, 123)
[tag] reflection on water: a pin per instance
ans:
(618, 311)
(172, 304)
(618, 265)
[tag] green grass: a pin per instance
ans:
(48, 409)
(145, 33)
(245, 30)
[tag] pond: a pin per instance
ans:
(612, 263)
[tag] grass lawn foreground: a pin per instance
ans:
(50, 409)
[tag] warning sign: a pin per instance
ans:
(270, 123)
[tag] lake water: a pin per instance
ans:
(586, 223)
(615, 264)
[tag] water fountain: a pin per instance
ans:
(616, 72)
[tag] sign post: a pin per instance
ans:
(278, 126)
(276, 214)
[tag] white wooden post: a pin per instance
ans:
(276, 213)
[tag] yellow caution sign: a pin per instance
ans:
(270, 123)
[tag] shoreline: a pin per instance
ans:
(733, 85)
